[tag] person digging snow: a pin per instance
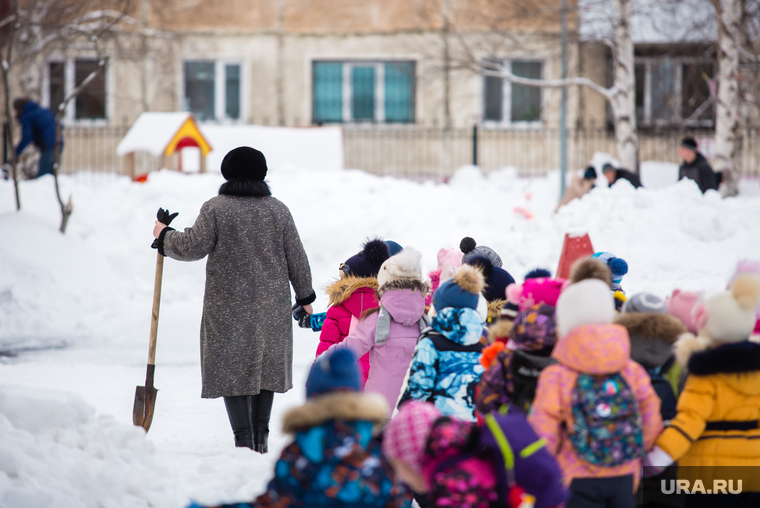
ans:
(254, 253)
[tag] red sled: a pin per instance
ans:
(574, 248)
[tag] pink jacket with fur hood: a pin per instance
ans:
(350, 298)
(590, 349)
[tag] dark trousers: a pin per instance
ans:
(47, 158)
(249, 417)
(614, 492)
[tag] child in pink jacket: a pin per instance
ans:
(351, 296)
(390, 334)
(592, 348)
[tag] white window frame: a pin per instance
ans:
(679, 62)
(506, 100)
(220, 89)
(69, 77)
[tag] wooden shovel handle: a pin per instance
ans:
(156, 305)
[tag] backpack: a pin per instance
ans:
(525, 369)
(664, 390)
(518, 457)
(383, 328)
(606, 428)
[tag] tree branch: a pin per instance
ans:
(608, 93)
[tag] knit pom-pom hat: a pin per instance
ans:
(367, 262)
(536, 291)
(461, 291)
(470, 248)
(405, 437)
(617, 266)
(538, 273)
(333, 371)
(404, 265)
(497, 279)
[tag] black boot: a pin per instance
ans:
(261, 411)
(238, 411)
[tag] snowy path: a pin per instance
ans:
(92, 290)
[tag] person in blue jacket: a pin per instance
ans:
(38, 127)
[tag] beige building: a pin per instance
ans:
(386, 70)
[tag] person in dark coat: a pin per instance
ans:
(38, 127)
(696, 167)
(614, 174)
(254, 253)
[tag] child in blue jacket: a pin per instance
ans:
(445, 368)
(334, 459)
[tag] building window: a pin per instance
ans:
(670, 91)
(213, 90)
(510, 103)
(363, 92)
(63, 76)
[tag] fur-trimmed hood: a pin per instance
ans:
(740, 358)
(351, 406)
(343, 288)
(406, 283)
(499, 331)
(652, 336)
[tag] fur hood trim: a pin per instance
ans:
(590, 268)
(405, 283)
(247, 188)
(336, 406)
(687, 345)
(737, 358)
(342, 289)
(652, 326)
(499, 331)
(494, 308)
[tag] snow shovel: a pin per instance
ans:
(145, 396)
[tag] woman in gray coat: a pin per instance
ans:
(254, 252)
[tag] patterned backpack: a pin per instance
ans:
(606, 427)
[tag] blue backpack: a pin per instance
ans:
(606, 429)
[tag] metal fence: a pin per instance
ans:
(421, 153)
(436, 153)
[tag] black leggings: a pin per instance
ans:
(249, 414)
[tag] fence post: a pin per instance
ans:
(475, 145)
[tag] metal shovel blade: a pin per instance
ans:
(145, 402)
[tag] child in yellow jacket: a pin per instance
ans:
(716, 425)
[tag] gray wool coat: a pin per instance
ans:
(253, 251)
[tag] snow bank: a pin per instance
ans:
(55, 454)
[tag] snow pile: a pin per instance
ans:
(47, 282)
(151, 133)
(55, 454)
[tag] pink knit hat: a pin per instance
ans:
(406, 436)
(681, 304)
(451, 257)
(535, 291)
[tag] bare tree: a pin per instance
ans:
(67, 27)
(503, 24)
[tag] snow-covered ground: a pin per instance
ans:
(76, 308)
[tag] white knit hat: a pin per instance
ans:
(588, 302)
(404, 265)
(730, 316)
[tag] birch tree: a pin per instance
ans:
(729, 15)
(614, 19)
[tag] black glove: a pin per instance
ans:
(301, 316)
(164, 217)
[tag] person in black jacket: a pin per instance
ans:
(38, 127)
(614, 174)
(696, 167)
